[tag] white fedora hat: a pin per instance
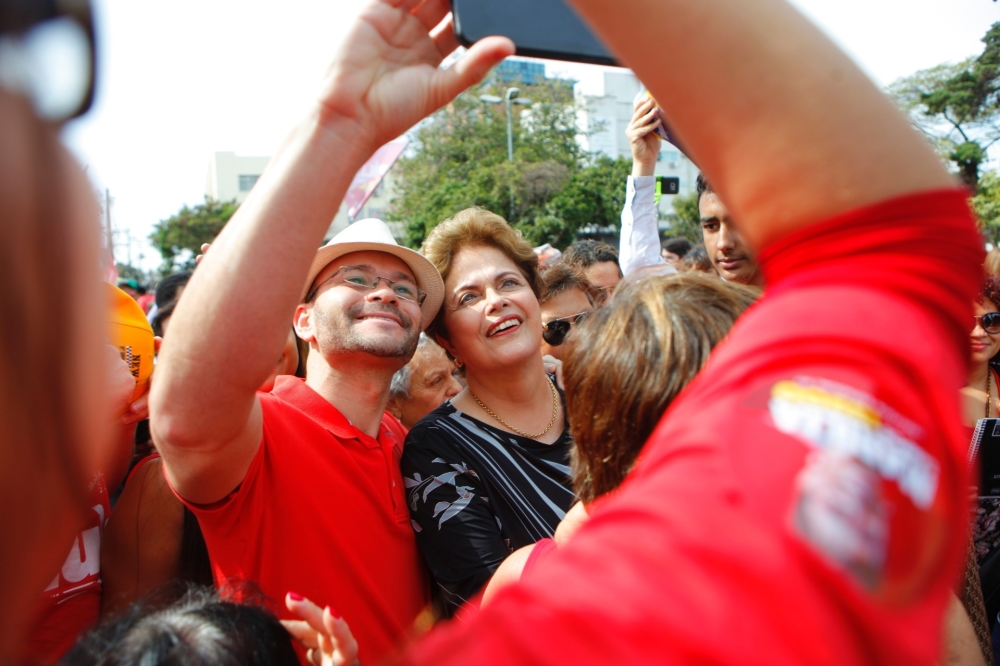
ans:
(372, 235)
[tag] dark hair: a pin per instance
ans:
(166, 290)
(697, 259)
(990, 290)
(161, 314)
(199, 629)
(703, 186)
(586, 253)
(560, 277)
(678, 246)
(629, 359)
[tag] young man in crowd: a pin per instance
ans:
(805, 500)
(673, 250)
(639, 234)
(298, 491)
(598, 262)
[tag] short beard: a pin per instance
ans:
(336, 333)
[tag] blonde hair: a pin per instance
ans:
(628, 360)
(992, 263)
(478, 227)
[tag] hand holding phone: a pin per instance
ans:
(642, 136)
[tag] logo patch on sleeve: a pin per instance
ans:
(841, 421)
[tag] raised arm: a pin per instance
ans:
(231, 324)
(640, 234)
(786, 136)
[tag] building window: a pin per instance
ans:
(247, 182)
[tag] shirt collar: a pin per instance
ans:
(295, 392)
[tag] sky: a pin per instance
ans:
(180, 81)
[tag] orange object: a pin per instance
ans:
(129, 331)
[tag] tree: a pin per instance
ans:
(986, 204)
(686, 221)
(179, 237)
(958, 106)
(550, 191)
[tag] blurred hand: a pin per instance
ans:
(554, 366)
(138, 410)
(121, 383)
(385, 77)
(643, 139)
(204, 251)
(326, 637)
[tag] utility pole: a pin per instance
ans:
(107, 225)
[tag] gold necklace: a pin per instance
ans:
(555, 411)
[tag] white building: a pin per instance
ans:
(607, 115)
(230, 176)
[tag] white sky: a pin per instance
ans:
(182, 80)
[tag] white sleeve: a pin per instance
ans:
(640, 235)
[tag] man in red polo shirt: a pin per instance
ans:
(298, 491)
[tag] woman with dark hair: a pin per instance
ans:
(487, 472)
(981, 397)
(199, 628)
(623, 367)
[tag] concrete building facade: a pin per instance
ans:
(231, 176)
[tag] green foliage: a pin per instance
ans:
(550, 191)
(957, 106)
(686, 221)
(187, 230)
(986, 204)
(129, 272)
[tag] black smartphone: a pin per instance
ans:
(539, 29)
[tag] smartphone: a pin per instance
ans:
(539, 29)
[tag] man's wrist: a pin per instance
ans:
(639, 169)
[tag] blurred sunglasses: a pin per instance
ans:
(554, 332)
(47, 54)
(990, 322)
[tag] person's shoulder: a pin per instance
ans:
(429, 436)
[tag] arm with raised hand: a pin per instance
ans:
(640, 234)
(234, 316)
(787, 136)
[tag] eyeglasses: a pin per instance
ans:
(990, 322)
(47, 54)
(555, 331)
(363, 280)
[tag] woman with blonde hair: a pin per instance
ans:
(487, 472)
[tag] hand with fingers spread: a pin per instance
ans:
(385, 77)
(641, 133)
(324, 634)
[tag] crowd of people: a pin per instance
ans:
(752, 450)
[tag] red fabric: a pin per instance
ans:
(321, 512)
(71, 603)
(745, 534)
(540, 552)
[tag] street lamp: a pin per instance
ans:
(512, 97)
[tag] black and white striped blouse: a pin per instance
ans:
(476, 493)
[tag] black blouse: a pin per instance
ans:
(477, 493)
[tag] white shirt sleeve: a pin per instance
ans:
(640, 234)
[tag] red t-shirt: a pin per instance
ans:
(321, 512)
(71, 603)
(803, 502)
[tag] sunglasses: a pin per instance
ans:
(47, 54)
(554, 332)
(990, 322)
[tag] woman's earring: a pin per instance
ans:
(459, 364)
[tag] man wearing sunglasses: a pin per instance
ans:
(299, 490)
(567, 299)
